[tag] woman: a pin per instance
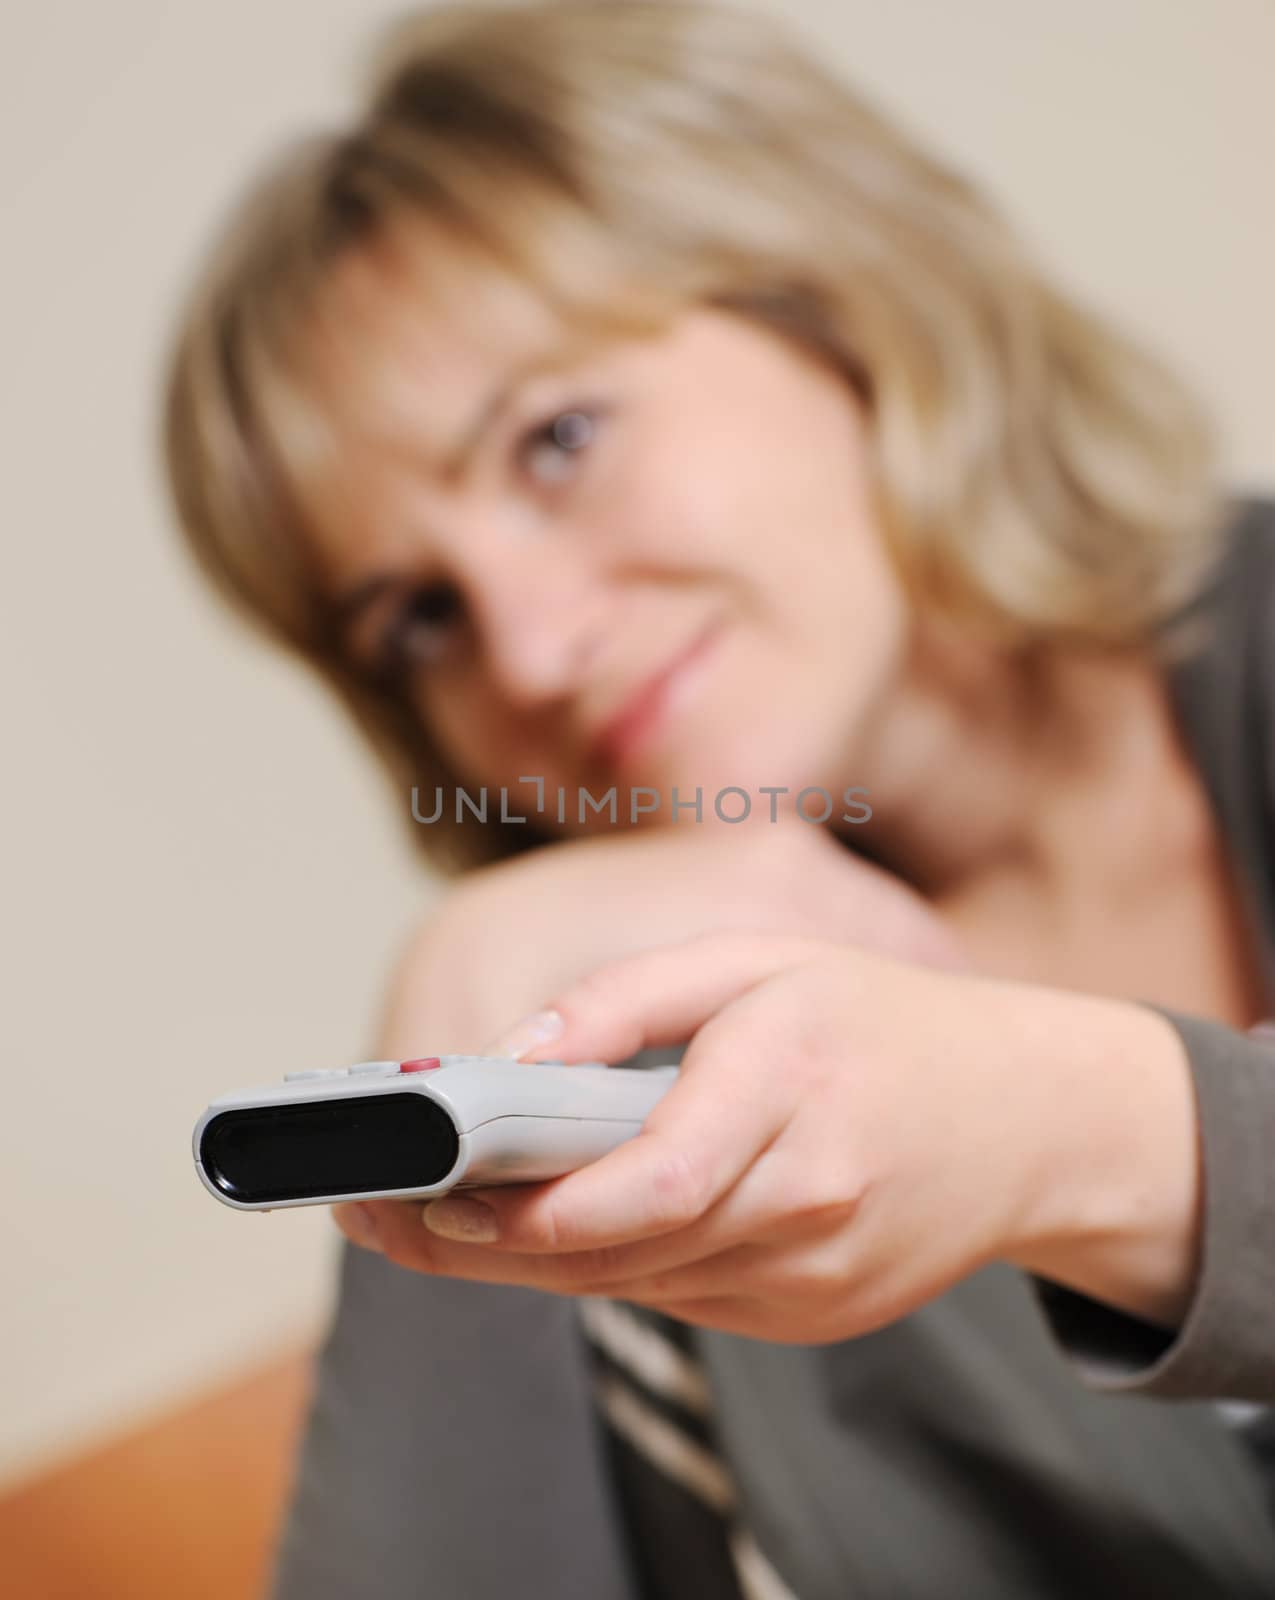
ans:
(622, 408)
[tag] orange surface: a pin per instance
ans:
(181, 1509)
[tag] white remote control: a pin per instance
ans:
(394, 1129)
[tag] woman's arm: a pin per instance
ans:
(849, 1136)
(511, 933)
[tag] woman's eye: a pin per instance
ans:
(422, 629)
(551, 450)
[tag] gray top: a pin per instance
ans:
(1010, 1439)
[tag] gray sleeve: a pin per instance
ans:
(451, 1449)
(1225, 1347)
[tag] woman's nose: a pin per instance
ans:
(538, 614)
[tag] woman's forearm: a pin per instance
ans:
(849, 1136)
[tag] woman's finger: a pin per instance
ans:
(771, 1271)
(656, 997)
(710, 1126)
(775, 1200)
(694, 1147)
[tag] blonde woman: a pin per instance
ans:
(622, 407)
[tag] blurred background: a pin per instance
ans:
(204, 878)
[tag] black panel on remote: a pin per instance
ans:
(359, 1145)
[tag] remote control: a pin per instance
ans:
(396, 1129)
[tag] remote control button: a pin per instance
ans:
(373, 1069)
(421, 1064)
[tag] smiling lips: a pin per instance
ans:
(640, 715)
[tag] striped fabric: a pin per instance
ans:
(687, 1541)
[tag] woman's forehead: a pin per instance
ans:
(397, 364)
(408, 341)
(403, 348)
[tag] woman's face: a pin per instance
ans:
(651, 563)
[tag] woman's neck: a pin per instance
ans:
(981, 765)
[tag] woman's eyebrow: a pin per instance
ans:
(454, 462)
(452, 467)
(348, 605)
(557, 361)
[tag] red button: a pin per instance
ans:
(421, 1064)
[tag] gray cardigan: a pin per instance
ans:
(1010, 1439)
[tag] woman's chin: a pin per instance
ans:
(727, 781)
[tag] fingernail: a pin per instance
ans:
(458, 1217)
(534, 1030)
(360, 1225)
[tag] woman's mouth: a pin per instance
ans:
(641, 717)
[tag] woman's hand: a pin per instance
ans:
(848, 1136)
(511, 933)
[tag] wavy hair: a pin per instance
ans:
(1037, 477)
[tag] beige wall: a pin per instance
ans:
(203, 882)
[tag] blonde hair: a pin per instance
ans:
(1037, 477)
